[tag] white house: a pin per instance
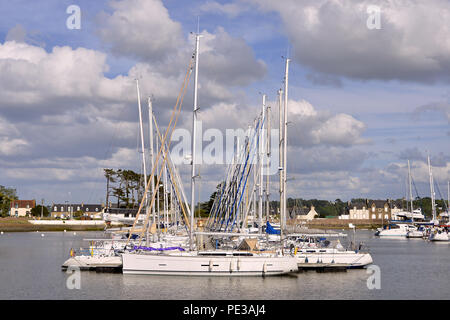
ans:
(21, 208)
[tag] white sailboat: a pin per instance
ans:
(205, 263)
(396, 230)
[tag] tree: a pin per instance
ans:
(36, 211)
(110, 175)
(6, 196)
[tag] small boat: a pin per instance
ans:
(332, 258)
(439, 234)
(94, 263)
(415, 234)
(396, 230)
(318, 252)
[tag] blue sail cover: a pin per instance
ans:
(157, 249)
(271, 230)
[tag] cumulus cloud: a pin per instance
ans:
(140, 28)
(331, 37)
(310, 127)
(31, 76)
(11, 141)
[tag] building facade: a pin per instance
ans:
(21, 208)
(64, 211)
(373, 209)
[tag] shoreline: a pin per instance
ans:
(24, 225)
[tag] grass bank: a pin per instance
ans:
(23, 225)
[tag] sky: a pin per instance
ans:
(362, 100)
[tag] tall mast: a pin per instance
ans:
(261, 168)
(150, 121)
(194, 136)
(142, 144)
(433, 205)
(286, 81)
(410, 192)
(280, 151)
(267, 164)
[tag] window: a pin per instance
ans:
(373, 209)
(379, 216)
(385, 209)
(28, 206)
(78, 208)
(55, 209)
(374, 216)
(386, 216)
(96, 209)
(62, 209)
(87, 209)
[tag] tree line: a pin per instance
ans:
(126, 187)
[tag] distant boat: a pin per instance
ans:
(396, 230)
(439, 234)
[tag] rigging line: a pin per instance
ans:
(258, 173)
(240, 181)
(172, 177)
(164, 141)
(174, 111)
(442, 198)
(232, 182)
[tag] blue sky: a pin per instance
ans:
(393, 97)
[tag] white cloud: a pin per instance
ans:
(140, 28)
(331, 37)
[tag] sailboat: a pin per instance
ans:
(192, 261)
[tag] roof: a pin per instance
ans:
(297, 211)
(23, 203)
(358, 205)
(378, 203)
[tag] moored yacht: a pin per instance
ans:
(396, 230)
(439, 234)
(208, 263)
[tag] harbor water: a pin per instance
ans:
(30, 268)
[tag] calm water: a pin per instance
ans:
(30, 268)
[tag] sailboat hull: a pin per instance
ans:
(196, 265)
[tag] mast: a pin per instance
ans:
(142, 144)
(150, 120)
(433, 205)
(280, 151)
(410, 192)
(286, 81)
(194, 127)
(267, 165)
(261, 168)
